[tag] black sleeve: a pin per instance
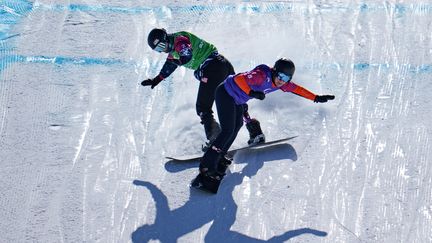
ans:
(168, 68)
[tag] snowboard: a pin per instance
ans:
(196, 157)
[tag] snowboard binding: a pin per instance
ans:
(256, 135)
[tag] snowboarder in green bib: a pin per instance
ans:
(210, 68)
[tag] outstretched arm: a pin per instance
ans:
(299, 90)
(183, 47)
(166, 70)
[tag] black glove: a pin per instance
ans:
(323, 98)
(153, 82)
(257, 94)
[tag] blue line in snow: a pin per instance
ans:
(11, 12)
(89, 61)
(71, 60)
(365, 66)
(267, 7)
(160, 9)
(424, 68)
(59, 60)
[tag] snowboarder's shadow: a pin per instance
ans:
(202, 209)
(272, 152)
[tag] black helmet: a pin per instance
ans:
(157, 37)
(285, 66)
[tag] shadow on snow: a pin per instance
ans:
(202, 208)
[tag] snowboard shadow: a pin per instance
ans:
(272, 152)
(282, 151)
(218, 212)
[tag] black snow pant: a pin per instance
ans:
(210, 74)
(231, 120)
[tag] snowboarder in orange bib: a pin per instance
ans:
(231, 96)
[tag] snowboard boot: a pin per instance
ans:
(207, 182)
(223, 164)
(211, 128)
(208, 179)
(256, 135)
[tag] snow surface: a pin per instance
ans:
(83, 144)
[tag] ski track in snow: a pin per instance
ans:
(83, 144)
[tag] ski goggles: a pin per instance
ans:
(160, 47)
(284, 77)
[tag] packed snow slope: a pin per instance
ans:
(83, 143)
